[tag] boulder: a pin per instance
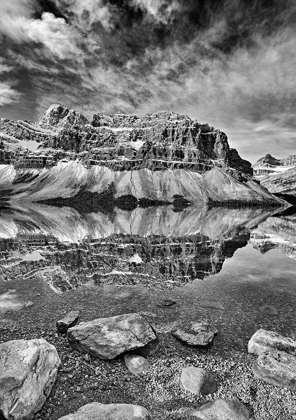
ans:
(28, 370)
(107, 338)
(222, 410)
(97, 411)
(196, 333)
(198, 381)
(136, 364)
(69, 320)
(264, 341)
(276, 368)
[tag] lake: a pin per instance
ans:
(235, 267)
(226, 264)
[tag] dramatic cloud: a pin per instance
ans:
(229, 63)
(8, 94)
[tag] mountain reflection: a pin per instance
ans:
(156, 247)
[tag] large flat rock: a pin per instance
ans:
(28, 370)
(97, 411)
(107, 338)
(264, 341)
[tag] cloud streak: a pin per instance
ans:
(230, 65)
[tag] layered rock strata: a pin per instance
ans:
(160, 157)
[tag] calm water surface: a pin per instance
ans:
(235, 267)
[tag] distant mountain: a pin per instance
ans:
(162, 157)
(271, 164)
(277, 175)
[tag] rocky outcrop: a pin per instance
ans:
(107, 338)
(97, 411)
(28, 370)
(222, 410)
(155, 141)
(158, 156)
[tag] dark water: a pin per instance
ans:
(234, 266)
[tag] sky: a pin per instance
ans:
(230, 63)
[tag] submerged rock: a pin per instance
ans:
(198, 381)
(264, 341)
(28, 370)
(69, 320)
(166, 303)
(136, 364)
(222, 410)
(97, 411)
(268, 310)
(196, 333)
(107, 338)
(276, 368)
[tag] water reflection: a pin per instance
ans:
(157, 247)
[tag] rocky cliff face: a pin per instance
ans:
(160, 157)
(155, 141)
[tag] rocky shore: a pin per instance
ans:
(150, 374)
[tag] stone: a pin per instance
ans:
(166, 303)
(136, 364)
(222, 410)
(276, 368)
(263, 341)
(196, 333)
(198, 381)
(69, 320)
(107, 338)
(28, 370)
(97, 411)
(268, 310)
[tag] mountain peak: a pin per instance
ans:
(58, 116)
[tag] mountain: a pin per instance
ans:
(68, 249)
(277, 175)
(161, 157)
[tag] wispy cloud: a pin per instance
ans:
(8, 94)
(231, 64)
